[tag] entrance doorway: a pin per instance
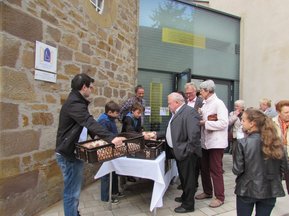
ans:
(224, 88)
(159, 84)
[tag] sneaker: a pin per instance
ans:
(119, 195)
(114, 201)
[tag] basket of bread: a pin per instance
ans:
(97, 150)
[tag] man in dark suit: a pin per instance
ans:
(183, 137)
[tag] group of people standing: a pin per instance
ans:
(210, 141)
(260, 153)
(196, 137)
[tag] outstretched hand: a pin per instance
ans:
(150, 135)
(118, 141)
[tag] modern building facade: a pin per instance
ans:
(180, 42)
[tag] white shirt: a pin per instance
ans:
(192, 102)
(168, 133)
(83, 135)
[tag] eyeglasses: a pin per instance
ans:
(188, 93)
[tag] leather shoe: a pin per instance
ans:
(180, 209)
(203, 196)
(179, 199)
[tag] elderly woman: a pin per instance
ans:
(214, 139)
(282, 125)
(235, 123)
(282, 122)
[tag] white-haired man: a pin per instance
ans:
(191, 93)
(183, 138)
(196, 102)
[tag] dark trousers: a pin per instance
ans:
(104, 186)
(286, 173)
(170, 155)
(197, 171)
(245, 206)
(186, 169)
(286, 177)
(212, 172)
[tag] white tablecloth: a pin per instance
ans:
(149, 169)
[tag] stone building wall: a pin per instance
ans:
(103, 46)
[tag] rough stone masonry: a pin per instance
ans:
(103, 46)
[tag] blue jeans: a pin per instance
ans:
(104, 186)
(245, 206)
(72, 172)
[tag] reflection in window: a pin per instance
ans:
(98, 4)
(175, 35)
(165, 13)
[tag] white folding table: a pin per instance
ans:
(148, 169)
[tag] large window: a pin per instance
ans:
(174, 36)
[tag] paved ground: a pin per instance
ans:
(137, 200)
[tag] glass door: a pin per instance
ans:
(182, 78)
(158, 85)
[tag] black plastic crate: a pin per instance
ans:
(120, 151)
(134, 142)
(152, 149)
(91, 154)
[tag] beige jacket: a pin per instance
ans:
(278, 128)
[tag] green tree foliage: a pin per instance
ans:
(172, 14)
